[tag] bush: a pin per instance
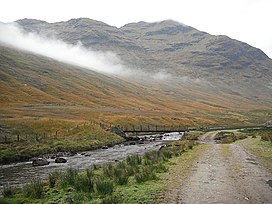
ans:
(160, 168)
(145, 174)
(108, 170)
(167, 153)
(34, 189)
(53, 177)
(69, 177)
(74, 199)
(134, 160)
(104, 187)
(85, 184)
(122, 178)
(111, 200)
(267, 136)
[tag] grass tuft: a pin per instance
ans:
(34, 189)
(104, 187)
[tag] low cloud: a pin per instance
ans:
(105, 62)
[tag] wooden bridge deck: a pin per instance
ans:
(150, 131)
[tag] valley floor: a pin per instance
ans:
(224, 173)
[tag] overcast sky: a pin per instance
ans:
(246, 20)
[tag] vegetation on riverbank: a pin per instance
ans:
(134, 180)
(193, 135)
(35, 138)
(229, 137)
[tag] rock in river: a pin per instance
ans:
(60, 160)
(40, 162)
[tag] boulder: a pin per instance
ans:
(40, 162)
(117, 131)
(60, 160)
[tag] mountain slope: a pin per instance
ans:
(33, 86)
(229, 65)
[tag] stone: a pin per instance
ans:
(60, 160)
(40, 162)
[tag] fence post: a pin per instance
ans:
(18, 137)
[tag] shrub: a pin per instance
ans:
(167, 153)
(145, 174)
(53, 177)
(111, 200)
(134, 160)
(267, 137)
(84, 182)
(121, 165)
(34, 189)
(69, 177)
(104, 187)
(122, 178)
(130, 170)
(108, 170)
(160, 168)
(74, 199)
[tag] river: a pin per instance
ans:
(23, 172)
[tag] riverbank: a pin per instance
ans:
(138, 179)
(52, 137)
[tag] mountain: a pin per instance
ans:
(172, 47)
(214, 79)
(154, 42)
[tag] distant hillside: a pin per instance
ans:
(214, 79)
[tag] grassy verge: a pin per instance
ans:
(35, 138)
(262, 149)
(138, 179)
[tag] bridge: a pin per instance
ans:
(167, 129)
(154, 129)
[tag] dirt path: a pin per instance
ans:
(224, 174)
